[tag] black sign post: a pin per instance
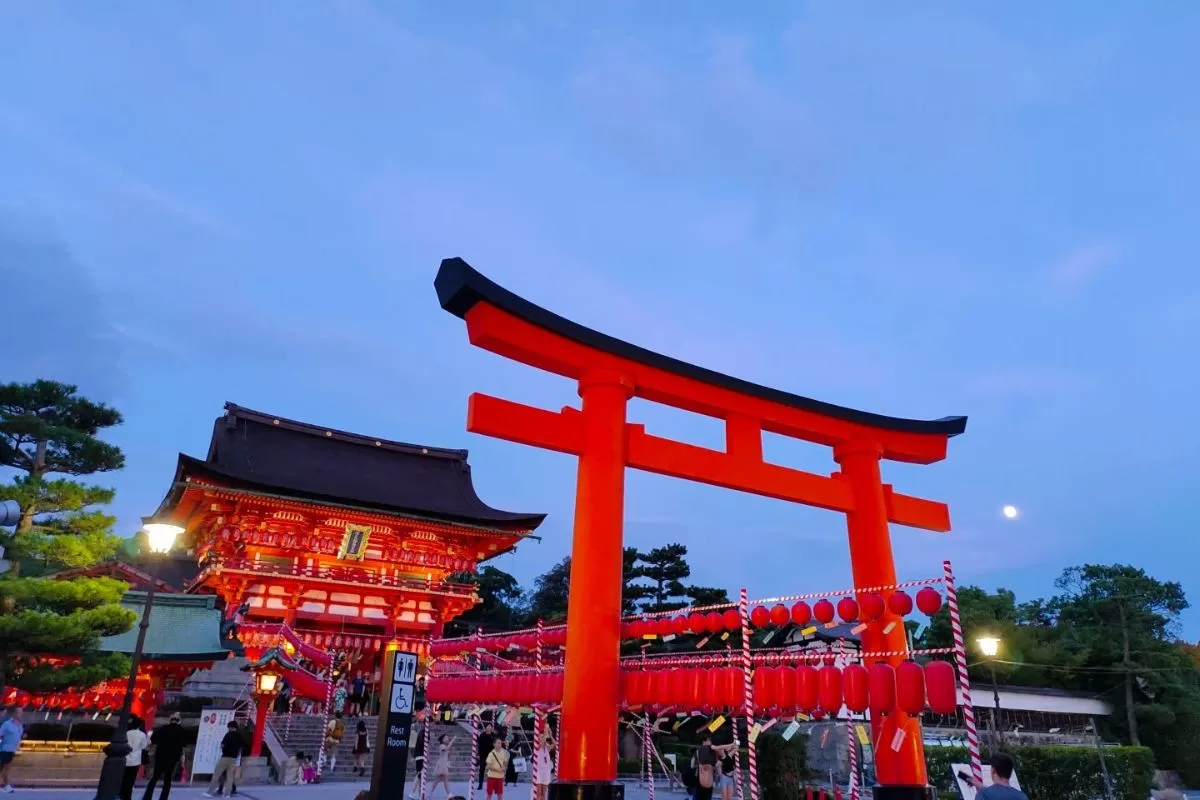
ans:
(397, 698)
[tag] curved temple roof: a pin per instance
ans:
(322, 464)
(460, 287)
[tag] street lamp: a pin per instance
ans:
(160, 536)
(990, 647)
(268, 669)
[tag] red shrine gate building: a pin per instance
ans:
(317, 540)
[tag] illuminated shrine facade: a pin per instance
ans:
(351, 541)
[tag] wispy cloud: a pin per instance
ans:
(1083, 265)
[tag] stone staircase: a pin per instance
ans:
(304, 733)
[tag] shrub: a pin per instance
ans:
(781, 766)
(1064, 773)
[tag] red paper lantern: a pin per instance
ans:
(847, 609)
(929, 600)
(694, 689)
(760, 617)
(823, 611)
(556, 687)
(679, 625)
(780, 615)
(900, 603)
(940, 685)
(734, 692)
(696, 622)
(733, 620)
(714, 685)
(807, 690)
(636, 687)
(871, 606)
(785, 691)
(714, 621)
(435, 691)
(658, 688)
(764, 688)
(663, 626)
(626, 630)
(829, 681)
(801, 613)
(910, 687)
(881, 684)
(854, 687)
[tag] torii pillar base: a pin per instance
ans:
(903, 793)
(591, 790)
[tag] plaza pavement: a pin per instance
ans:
(326, 791)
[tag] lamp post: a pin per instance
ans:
(268, 670)
(990, 646)
(160, 536)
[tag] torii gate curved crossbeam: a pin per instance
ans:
(609, 372)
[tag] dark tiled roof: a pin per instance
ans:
(296, 459)
(182, 627)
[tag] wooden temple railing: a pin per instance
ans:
(336, 574)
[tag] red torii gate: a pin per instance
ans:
(609, 372)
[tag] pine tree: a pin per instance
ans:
(46, 429)
(665, 568)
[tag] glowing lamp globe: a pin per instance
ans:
(989, 645)
(160, 536)
(266, 682)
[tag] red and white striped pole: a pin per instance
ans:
(853, 743)
(737, 760)
(748, 691)
(539, 718)
(474, 757)
(325, 718)
(964, 681)
(648, 756)
(425, 751)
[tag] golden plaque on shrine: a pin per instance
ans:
(354, 543)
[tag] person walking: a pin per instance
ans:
(441, 768)
(497, 766)
(486, 739)
(333, 739)
(362, 746)
(706, 769)
(418, 751)
(543, 766)
(231, 751)
(168, 752)
(134, 760)
(12, 731)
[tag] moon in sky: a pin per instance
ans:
(1010, 512)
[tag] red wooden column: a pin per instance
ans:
(262, 704)
(872, 562)
(588, 749)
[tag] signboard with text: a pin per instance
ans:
(395, 726)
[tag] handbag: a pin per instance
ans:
(520, 765)
(706, 776)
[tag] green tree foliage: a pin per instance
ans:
(664, 568)
(502, 603)
(1110, 631)
(548, 600)
(1063, 773)
(46, 429)
(41, 617)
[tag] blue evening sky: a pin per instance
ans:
(917, 210)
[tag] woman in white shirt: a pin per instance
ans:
(543, 765)
(133, 762)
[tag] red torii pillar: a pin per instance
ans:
(609, 372)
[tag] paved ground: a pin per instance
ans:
(329, 791)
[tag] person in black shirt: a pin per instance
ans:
(231, 751)
(706, 769)
(486, 740)
(168, 751)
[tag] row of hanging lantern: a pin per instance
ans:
(523, 688)
(256, 638)
(880, 688)
(867, 608)
(102, 699)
